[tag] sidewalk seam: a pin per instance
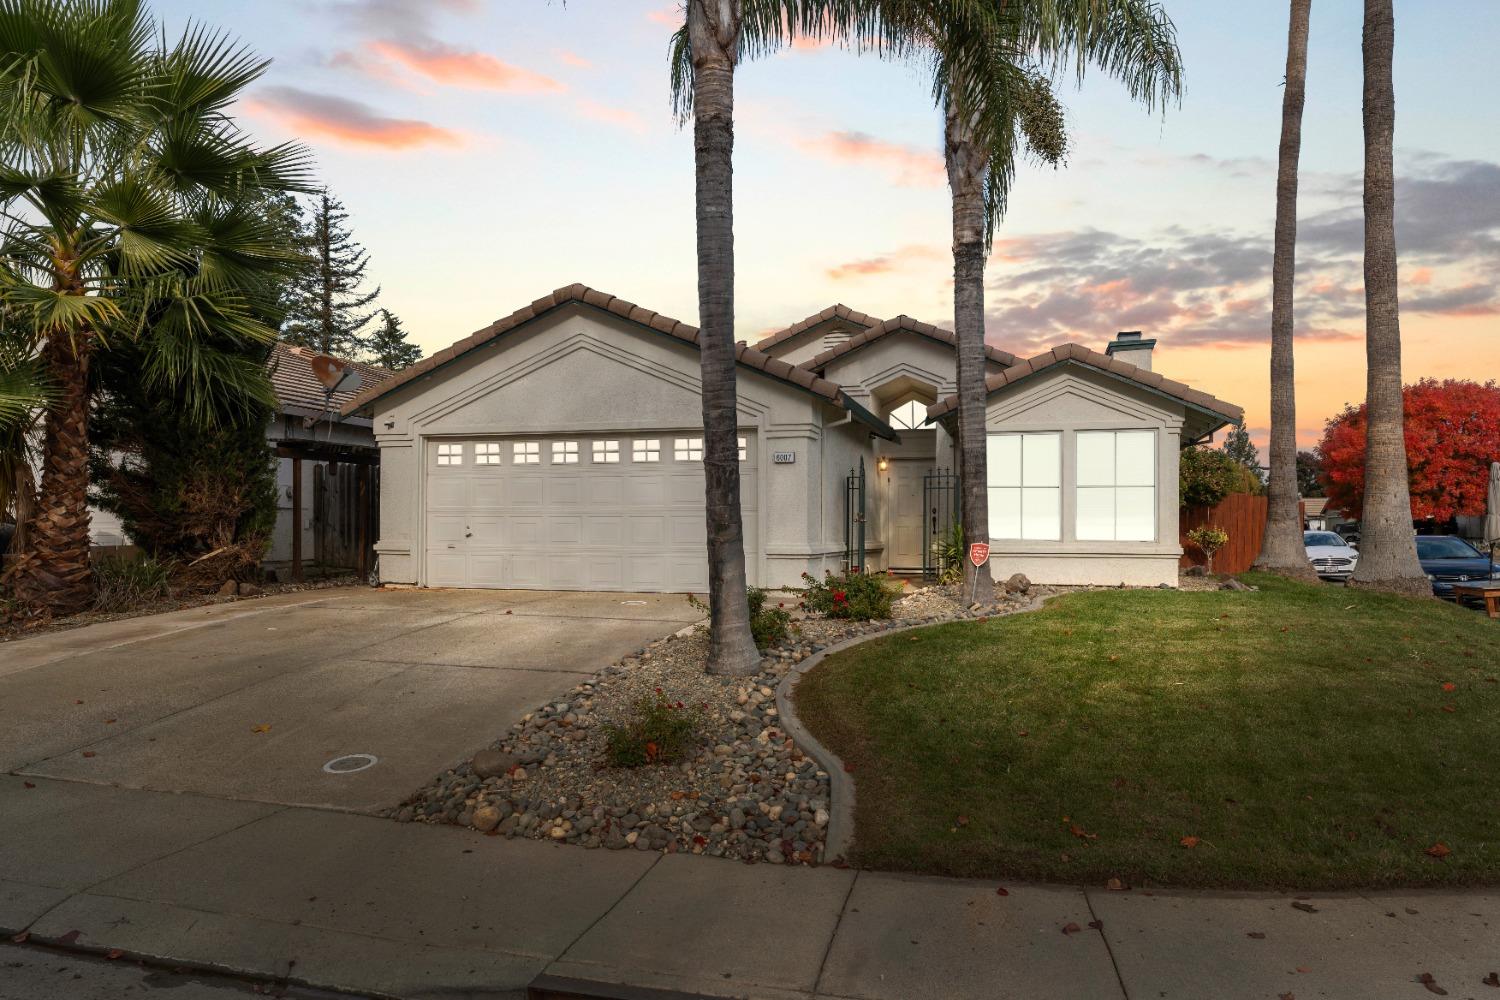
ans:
(837, 923)
(607, 911)
(1088, 900)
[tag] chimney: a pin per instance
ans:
(1129, 347)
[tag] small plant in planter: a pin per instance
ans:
(657, 731)
(853, 595)
(1210, 538)
(768, 625)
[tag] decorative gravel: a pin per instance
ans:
(747, 791)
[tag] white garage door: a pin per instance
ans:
(585, 512)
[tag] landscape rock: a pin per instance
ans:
(1018, 583)
(492, 763)
(229, 588)
(1233, 584)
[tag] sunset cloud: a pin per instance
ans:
(671, 16)
(572, 59)
(340, 120)
(457, 67)
(610, 115)
(884, 263)
(908, 165)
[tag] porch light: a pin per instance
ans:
(883, 464)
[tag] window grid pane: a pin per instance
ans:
(526, 453)
(564, 452)
(1116, 486)
(1024, 474)
(744, 449)
(646, 450)
(607, 452)
(450, 454)
(688, 449)
(487, 453)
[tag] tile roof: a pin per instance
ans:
(747, 356)
(292, 378)
(898, 324)
(836, 311)
(1078, 354)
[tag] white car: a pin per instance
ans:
(1331, 556)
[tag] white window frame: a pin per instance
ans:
(687, 449)
(606, 452)
(897, 417)
(1024, 472)
(450, 453)
(564, 452)
(645, 450)
(487, 453)
(526, 453)
(1115, 485)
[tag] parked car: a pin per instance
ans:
(1449, 560)
(1331, 556)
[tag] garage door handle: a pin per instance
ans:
(468, 534)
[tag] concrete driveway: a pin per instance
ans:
(418, 679)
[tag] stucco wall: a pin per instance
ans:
(579, 370)
(1068, 400)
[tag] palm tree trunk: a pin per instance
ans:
(967, 165)
(713, 34)
(1388, 554)
(53, 573)
(1281, 549)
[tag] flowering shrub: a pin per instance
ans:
(1210, 538)
(658, 731)
(855, 595)
(768, 625)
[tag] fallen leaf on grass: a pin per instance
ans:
(1450, 708)
(264, 727)
(1071, 928)
(1493, 979)
(1439, 850)
(1257, 935)
(1305, 907)
(1449, 686)
(1432, 987)
(1081, 833)
(1189, 841)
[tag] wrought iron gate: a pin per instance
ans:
(940, 496)
(854, 518)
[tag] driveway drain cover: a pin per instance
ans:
(349, 763)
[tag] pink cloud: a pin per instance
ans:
(672, 16)
(345, 122)
(572, 59)
(884, 263)
(908, 165)
(610, 115)
(1420, 276)
(464, 67)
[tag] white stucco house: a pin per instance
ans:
(560, 448)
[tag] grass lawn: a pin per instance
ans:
(1306, 735)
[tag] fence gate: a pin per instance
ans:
(854, 518)
(940, 509)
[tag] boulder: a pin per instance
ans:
(492, 763)
(1017, 583)
(229, 588)
(486, 818)
(1195, 571)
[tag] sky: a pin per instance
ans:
(489, 151)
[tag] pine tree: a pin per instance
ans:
(326, 309)
(388, 346)
(1239, 447)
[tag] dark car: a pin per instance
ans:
(1449, 560)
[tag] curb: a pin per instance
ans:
(839, 837)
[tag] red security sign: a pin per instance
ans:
(979, 553)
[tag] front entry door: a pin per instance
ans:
(906, 507)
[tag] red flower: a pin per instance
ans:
(839, 597)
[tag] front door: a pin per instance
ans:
(906, 508)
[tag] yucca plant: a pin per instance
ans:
(126, 194)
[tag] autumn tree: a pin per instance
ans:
(1452, 431)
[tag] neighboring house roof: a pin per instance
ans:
(899, 324)
(297, 388)
(836, 311)
(639, 315)
(1079, 355)
(1317, 507)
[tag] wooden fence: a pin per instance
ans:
(1242, 515)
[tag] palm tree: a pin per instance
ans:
(1281, 549)
(1388, 552)
(992, 67)
(125, 193)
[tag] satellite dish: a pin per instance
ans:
(336, 375)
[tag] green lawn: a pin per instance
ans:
(1302, 733)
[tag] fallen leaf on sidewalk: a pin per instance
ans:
(1432, 987)
(20, 938)
(1257, 935)
(1493, 979)
(1002, 891)
(1305, 907)
(264, 727)
(1286, 996)
(1115, 885)
(1189, 841)
(90, 753)
(70, 938)
(1097, 925)
(1303, 969)
(1439, 850)
(28, 784)
(1071, 928)
(113, 954)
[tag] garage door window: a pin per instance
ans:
(744, 449)
(606, 452)
(487, 453)
(450, 454)
(647, 450)
(688, 449)
(564, 452)
(526, 453)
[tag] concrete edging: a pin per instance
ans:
(840, 834)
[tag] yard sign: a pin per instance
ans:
(979, 553)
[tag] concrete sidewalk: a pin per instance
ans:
(339, 900)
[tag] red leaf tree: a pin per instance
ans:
(1452, 436)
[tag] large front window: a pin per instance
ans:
(1117, 486)
(1025, 486)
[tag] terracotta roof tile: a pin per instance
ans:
(894, 325)
(839, 311)
(290, 371)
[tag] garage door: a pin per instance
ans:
(587, 512)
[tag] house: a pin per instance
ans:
(327, 492)
(560, 448)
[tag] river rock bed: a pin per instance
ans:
(747, 791)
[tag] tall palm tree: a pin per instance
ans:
(1387, 551)
(125, 197)
(993, 62)
(1281, 549)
